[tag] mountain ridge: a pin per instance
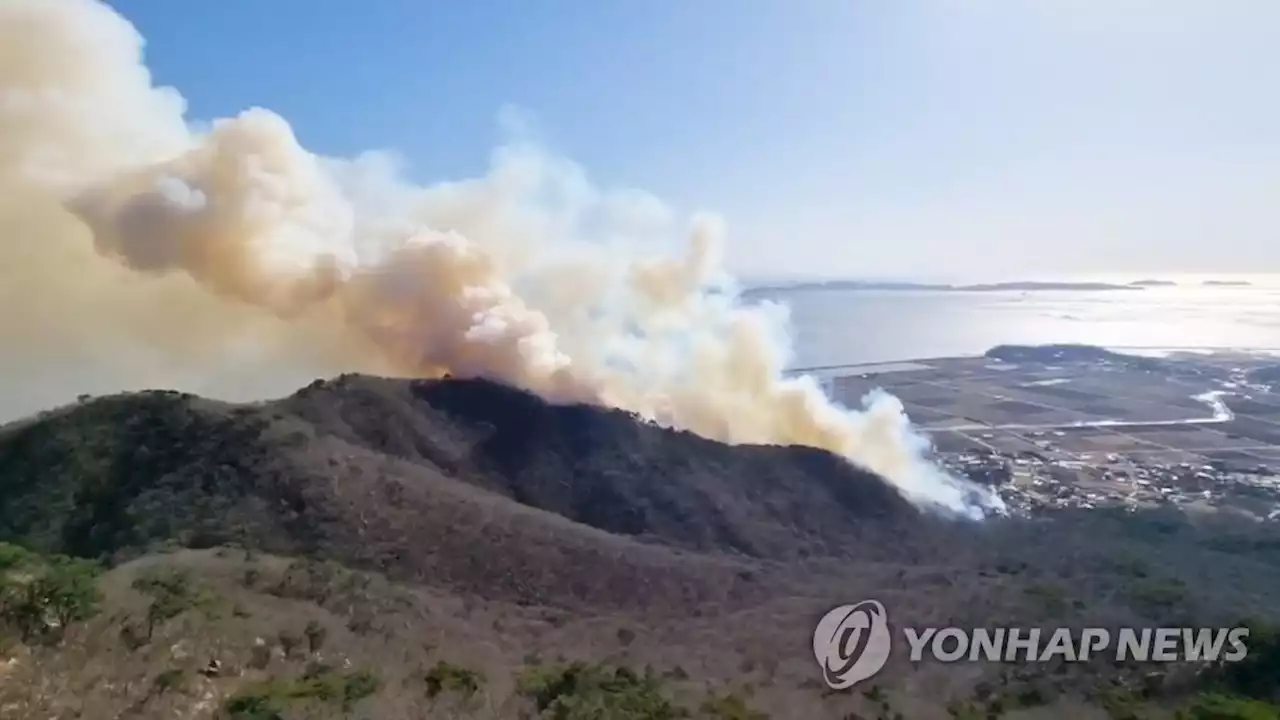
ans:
(412, 477)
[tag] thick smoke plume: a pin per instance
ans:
(139, 250)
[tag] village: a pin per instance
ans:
(1030, 483)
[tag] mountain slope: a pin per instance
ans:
(475, 485)
(603, 468)
(474, 523)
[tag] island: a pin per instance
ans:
(1015, 286)
(1072, 353)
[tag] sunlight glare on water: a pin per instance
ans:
(834, 327)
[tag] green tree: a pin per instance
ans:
(585, 692)
(13, 557)
(316, 634)
(38, 593)
(69, 587)
(445, 677)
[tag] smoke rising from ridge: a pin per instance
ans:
(230, 260)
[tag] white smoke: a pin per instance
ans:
(138, 251)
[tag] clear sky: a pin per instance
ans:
(856, 137)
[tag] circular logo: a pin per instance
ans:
(851, 643)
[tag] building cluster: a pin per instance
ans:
(1030, 482)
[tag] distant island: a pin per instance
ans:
(1016, 286)
(1070, 353)
(1012, 286)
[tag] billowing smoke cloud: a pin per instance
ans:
(137, 250)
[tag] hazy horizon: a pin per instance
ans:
(1185, 278)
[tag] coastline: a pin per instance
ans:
(1157, 351)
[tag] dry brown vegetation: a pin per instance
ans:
(384, 549)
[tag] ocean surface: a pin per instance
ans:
(838, 327)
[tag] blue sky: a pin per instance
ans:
(869, 137)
